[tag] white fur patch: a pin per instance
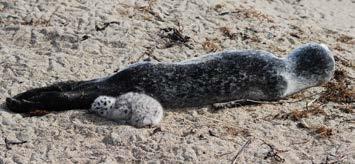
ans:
(137, 109)
(293, 84)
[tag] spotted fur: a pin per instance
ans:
(137, 109)
(135, 93)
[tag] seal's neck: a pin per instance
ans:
(296, 83)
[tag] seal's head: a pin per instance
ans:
(312, 63)
(102, 105)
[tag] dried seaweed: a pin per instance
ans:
(232, 131)
(337, 92)
(338, 48)
(105, 25)
(341, 60)
(273, 153)
(339, 89)
(243, 13)
(228, 32)
(250, 12)
(323, 131)
(174, 37)
(345, 39)
(347, 109)
(210, 46)
(339, 75)
(149, 9)
(297, 115)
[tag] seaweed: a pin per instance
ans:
(149, 9)
(228, 32)
(339, 89)
(345, 39)
(273, 153)
(105, 25)
(347, 109)
(210, 45)
(174, 37)
(323, 131)
(250, 12)
(297, 115)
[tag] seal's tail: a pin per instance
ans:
(57, 97)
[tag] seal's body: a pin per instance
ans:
(214, 78)
(217, 78)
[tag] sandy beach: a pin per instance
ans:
(42, 42)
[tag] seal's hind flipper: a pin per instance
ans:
(59, 96)
(55, 101)
(57, 87)
(20, 106)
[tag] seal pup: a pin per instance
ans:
(136, 109)
(214, 78)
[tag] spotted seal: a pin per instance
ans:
(213, 78)
(135, 108)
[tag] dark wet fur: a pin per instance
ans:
(59, 96)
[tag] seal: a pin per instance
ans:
(214, 78)
(136, 109)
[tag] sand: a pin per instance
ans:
(50, 41)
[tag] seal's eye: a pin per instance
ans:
(125, 111)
